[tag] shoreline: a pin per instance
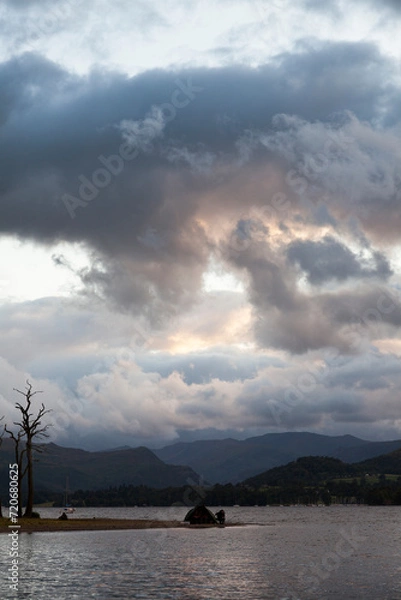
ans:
(95, 524)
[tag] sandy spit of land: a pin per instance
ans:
(94, 524)
(76, 524)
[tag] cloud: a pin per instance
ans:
(329, 259)
(285, 176)
(338, 7)
(73, 129)
(104, 388)
(151, 223)
(290, 317)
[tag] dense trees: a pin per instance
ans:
(364, 490)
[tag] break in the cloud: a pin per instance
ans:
(238, 207)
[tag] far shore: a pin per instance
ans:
(75, 524)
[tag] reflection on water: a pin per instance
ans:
(288, 552)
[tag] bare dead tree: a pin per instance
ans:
(30, 427)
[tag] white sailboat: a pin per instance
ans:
(68, 508)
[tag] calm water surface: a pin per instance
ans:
(284, 553)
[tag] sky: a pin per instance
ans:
(200, 206)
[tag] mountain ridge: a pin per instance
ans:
(232, 461)
(93, 470)
(203, 461)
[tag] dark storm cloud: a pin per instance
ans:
(393, 4)
(335, 7)
(290, 318)
(62, 124)
(330, 259)
(27, 82)
(149, 248)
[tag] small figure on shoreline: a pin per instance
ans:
(221, 516)
(63, 516)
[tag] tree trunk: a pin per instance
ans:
(29, 503)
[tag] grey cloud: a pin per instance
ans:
(339, 8)
(288, 317)
(353, 168)
(27, 82)
(330, 259)
(330, 6)
(285, 317)
(18, 4)
(80, 114)
(393, 5)
(359, 390)
(141, 394)
(56, 126)
(203, 367)
(364, 307)
(83, 112)
(373, 371)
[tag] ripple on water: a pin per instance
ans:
(301, 554)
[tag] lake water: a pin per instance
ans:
(338, 552)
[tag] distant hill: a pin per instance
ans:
(95, 470)
(368, 450)
(312, 470)
(216, 461)
(232, 461)
(388, 463)
(308, 470)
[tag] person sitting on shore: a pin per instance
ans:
(221, 516)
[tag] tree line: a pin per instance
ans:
(376, 491)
